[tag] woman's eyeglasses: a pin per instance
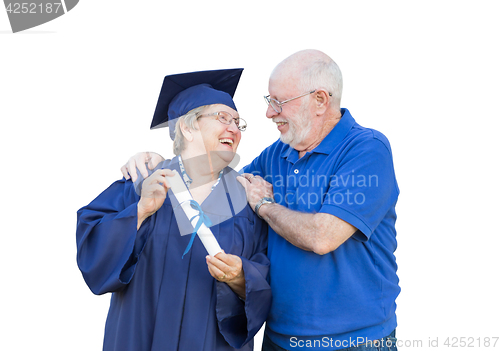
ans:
(226, 118)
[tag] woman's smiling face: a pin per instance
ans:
(215, 136)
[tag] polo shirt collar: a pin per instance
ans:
(337, 134)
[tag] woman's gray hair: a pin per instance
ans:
(188, 119)
(323, 74)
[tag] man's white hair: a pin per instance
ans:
(312, 69)
(322, 74)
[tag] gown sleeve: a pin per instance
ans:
(239, 320)
(108, 242)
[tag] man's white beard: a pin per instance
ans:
(298, 133)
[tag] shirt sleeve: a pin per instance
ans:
(108, 242)
(254, 168)
(363, 187)
(239, 320)
(261, 164)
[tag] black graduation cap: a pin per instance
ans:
(180, 93)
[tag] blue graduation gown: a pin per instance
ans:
(161, 301)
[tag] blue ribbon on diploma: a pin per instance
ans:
(202, 219)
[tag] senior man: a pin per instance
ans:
(328, 191)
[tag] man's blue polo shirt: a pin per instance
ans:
(349, 293)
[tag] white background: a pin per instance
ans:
(77, 95)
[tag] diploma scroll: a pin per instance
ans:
(184, 198)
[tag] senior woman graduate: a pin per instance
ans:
(133, 241)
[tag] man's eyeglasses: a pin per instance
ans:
(226, 118)
(277, 105)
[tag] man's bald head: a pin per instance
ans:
(309, 70)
